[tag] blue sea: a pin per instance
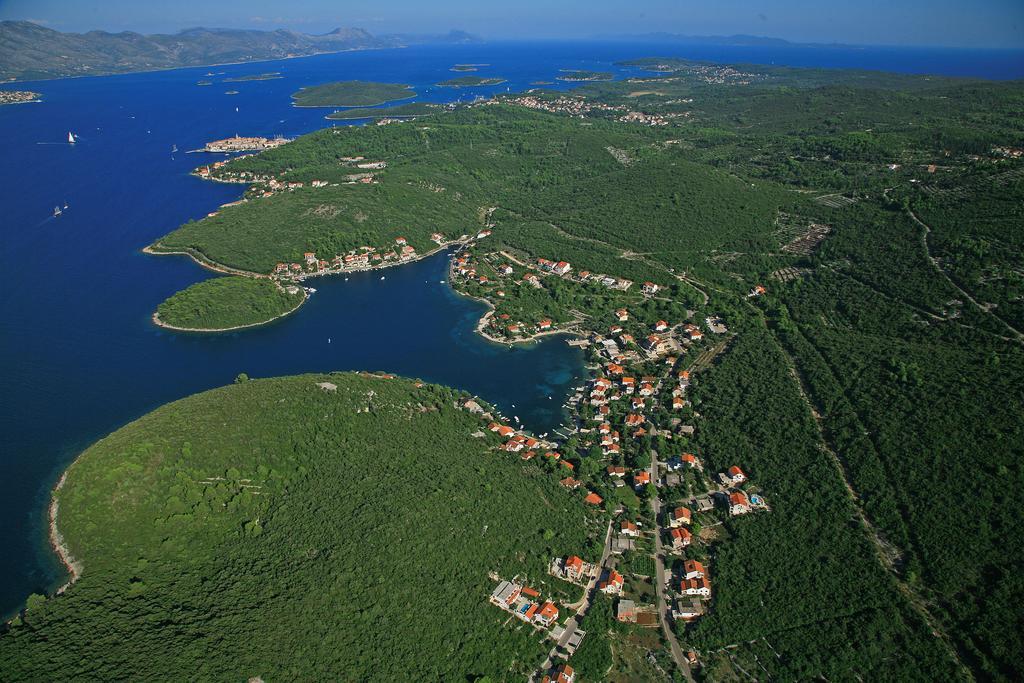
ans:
(79, 356)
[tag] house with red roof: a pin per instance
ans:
(690, 460)
(612, 585)
(650, 288)
(561, 268)
(660, 326)
(701, 587)
(593, 499)
(570, 483)
(641, 478)
(692, 569)
(736, 475)
(616, 471)
(680, 538)
(738, 504)
(680, 516)
(563, 673)
(622, 315)
(544, 324)
(627, 528)
(573, 567)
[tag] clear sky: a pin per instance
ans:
(962, 23)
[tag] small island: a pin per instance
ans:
(469, 82)
(573, 76)
(400, 111)
(228, 303)
(18, 96)
(467, 67)
(352, 94)
(204, 82)
(254, 77)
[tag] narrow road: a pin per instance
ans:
(660, 584)
(589, 592)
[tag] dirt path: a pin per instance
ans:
(882, 549)
(925, 231)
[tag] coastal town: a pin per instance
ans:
(628, 455)
(18, 96)
(237, 143)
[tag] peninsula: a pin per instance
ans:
(244, 144)
(351, 94)
(279, 510)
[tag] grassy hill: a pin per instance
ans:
(279, 529)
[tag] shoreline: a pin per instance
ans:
(485, 318)
(198, 330)
(71, 565)
(205, 66)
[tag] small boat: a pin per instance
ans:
(381, 277)
(174, 148)
(328, 340)
(346, 279)
(71, 138)
(57, 211)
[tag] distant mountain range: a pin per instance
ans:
(29, 51)
(737, 40)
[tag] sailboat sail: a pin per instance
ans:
(71, 137)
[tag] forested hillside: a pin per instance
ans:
(320, 527)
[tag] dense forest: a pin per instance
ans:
(320, 527)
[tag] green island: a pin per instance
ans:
(800, 293)
(351, 94)
(281, 520)
(227, 303)
(204, 82)
(469, 82)
(399, 111)
(269, 76)
(575, 76)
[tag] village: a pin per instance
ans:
(628, 455)
(244, 144)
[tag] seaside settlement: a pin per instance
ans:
(18, 96)
(627, 450)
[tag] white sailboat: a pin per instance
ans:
(71, 138)
(56, 211)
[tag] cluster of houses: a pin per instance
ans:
(572, 569)
(645, 119)
(362, 258)
(739, 502)
(572, 106)
(524, 603)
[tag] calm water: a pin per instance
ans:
(78, 355)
